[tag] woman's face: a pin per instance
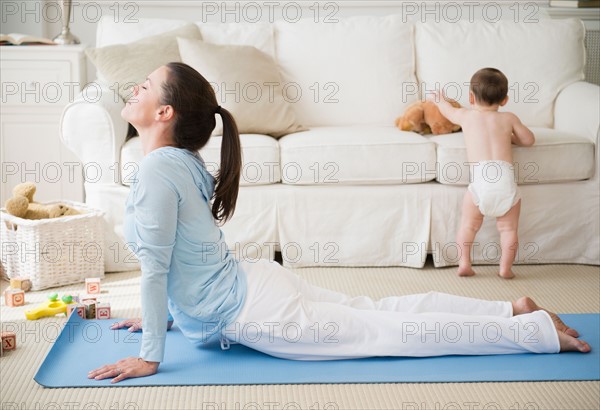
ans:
(144, 107)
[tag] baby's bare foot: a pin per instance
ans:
(571, 344)
(465, 271)
(527, 305)
(506, 275)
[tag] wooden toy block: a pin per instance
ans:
(14, 297)
(103, 311)
(92, 285)
(90, 308)
(20, 282)
(9, 341)
(88, 298)
(77, 307)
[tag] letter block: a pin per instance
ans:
(103, 311)
(92, 285)
(90, 308)
(9, 341)
(20, 282)
(76, 307)
(14, 297)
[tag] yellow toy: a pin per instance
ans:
(22, 205)
(53, 307)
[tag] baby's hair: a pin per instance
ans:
(489, 86)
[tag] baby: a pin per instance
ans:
(493, 189)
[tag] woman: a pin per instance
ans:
(171, 222)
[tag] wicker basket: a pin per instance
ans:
(53, 252)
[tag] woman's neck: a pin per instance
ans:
(154, 139)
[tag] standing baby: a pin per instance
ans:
(492, 191)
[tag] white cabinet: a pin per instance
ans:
(36, 84)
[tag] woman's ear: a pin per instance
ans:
(164, 113)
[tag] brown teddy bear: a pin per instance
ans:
(425, 117)
(22, 205)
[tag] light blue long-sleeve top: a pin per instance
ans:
(187, 269)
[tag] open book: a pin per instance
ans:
(18, 39)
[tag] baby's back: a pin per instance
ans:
(488, 135)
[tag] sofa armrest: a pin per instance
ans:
(91, 126)
(576, 110)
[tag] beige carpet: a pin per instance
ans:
(562, 288)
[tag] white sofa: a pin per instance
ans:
(353, 190)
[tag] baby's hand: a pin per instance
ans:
(436, 96)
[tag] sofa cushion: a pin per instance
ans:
(111, 31)
(128, 64)
(539, 59)
(348, 72)
(556, 156)
(260, 159)
(259, 35)
(356, 155)
(247, 83)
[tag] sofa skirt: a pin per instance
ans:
(382, 225)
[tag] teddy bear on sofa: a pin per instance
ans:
(425, 117)
(22, 205)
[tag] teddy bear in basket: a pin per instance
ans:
(425, 117)
(22, 205)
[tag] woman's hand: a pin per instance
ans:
(133, 324)
(125, 369)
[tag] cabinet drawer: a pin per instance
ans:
(26, 83)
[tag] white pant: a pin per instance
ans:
(286, 317)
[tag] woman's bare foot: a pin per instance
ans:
(527, 305)
(570, 344)
(465, 271)
(506, 275)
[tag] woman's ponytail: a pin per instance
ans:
(228, 179)
(195, 104)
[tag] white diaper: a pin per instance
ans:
(493, 187)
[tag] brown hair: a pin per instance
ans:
(489, 86)
(195, 104)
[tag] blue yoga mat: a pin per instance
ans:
(84, 345)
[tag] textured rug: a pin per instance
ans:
(563, 288)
